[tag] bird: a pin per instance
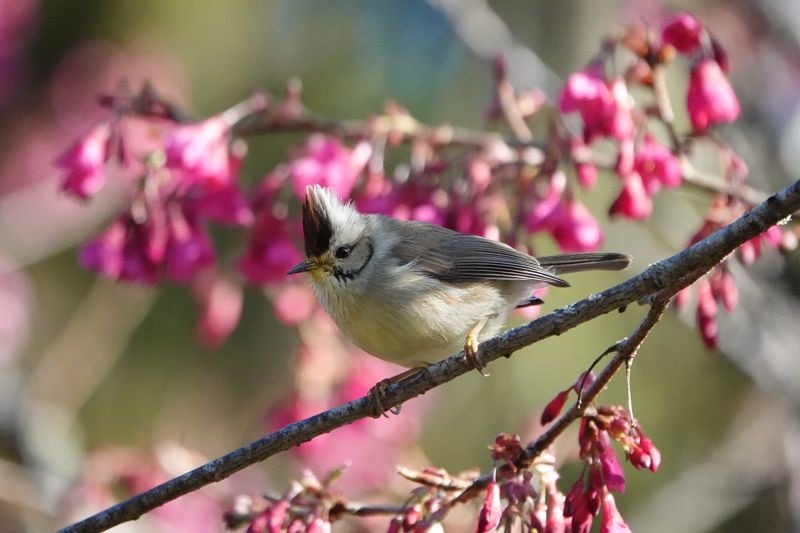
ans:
(413, 293)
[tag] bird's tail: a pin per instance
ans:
(566, 263)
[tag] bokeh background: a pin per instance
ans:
(94, 375)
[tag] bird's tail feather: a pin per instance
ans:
(566, 263)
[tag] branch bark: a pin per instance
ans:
(655, 284)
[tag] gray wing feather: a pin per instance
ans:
(451, 256)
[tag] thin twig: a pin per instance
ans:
(665, 277)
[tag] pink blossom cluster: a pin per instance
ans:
(305, 508)
(189, 178)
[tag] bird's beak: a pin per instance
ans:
(305, 266)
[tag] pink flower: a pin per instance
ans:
(328, 163)
(574, 228)
(220, 303)
(190, 249)
(613, 476)
(541, 213)
(710, 99)
(611, 521)
(201, 153)
(121, 252)
(226, 205)
(657, 166)
(633, 201)
(491, 511)
(271, 251)
(84, 162)
(586, 93)
(683, 32)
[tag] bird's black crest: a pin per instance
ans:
(317, 230)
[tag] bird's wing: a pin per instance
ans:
(450, 256)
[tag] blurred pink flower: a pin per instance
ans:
(710, 99)
(683, 32)
(633, 201)
(620, 124)
(293, 303)
(587, 174)
(83, 162)
(325, 161)
(271, 251)
(220, 303)
(540, 214)
(587, 93)
(120, 252)
(201, 153)
(574, 228)
(190, 249)
(379, 440)
(226, 205)
(707, 314)
(724, 288)
(657, 166)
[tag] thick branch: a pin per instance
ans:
(667, 275)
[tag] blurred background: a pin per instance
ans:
(99, 380)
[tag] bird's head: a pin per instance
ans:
(337, 243)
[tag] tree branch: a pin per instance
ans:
(655, 283)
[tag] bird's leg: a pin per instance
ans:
(377, 393)
(471, 346)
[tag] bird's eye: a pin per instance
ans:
(342, 252)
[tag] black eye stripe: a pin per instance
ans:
(347, 275)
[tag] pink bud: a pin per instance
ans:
(611, 521)
(633, 201)
(613, 475)
(724, 289)
(84, 161)
(554, 407)
(707, 314)
(491, 511)
(682, 32)
(710, 99)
